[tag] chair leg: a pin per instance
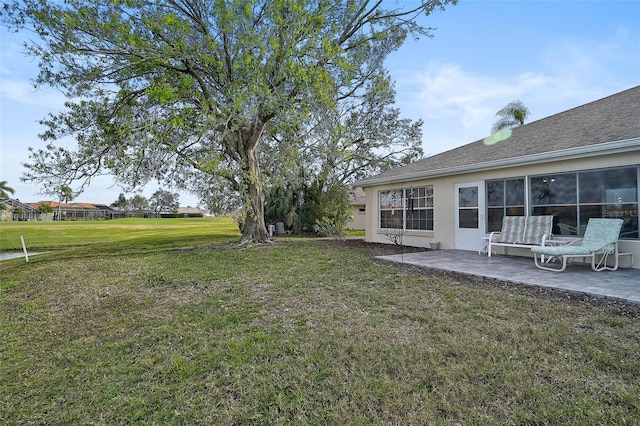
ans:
(546, 268)
(602, 264)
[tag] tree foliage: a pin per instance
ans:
(62, 192)
(121, 202)
(514, 114)
(44, 208)
(318, 207)
(5, 189)
(138, 204)
(65, 193)
(328, 209)
(283, 204)
(18, 213)
(188, 91)
(164, 201)
(362, 136)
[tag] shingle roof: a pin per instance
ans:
(611, 119)
(190, 210)
(17, 203)
(70, 206)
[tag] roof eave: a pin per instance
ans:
(622, 146)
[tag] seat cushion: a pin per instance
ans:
(512, 229)
(563, 250)
(536, 228)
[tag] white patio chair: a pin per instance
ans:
(567, 229)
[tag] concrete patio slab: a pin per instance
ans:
(623, 284)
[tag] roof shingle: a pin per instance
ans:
(611, 119)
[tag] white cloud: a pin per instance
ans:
(22, 92)
(459, 105)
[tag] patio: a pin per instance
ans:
(623, 284)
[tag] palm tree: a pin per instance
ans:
(66, 195)
(18, 212)
(5, 189)
(44, 209)
(512, 115)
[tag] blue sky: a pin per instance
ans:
(551, 55)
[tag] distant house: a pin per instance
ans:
(358, 206)
(16, 210)
(184, 212)
(579, 164)
(109, 212)
(77, 211)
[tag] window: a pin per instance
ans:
(556, 195)
(409, 208)
(391, 209)
(574, 198)
(610, 193)
(505, 197)
(419, 211)
(468, 207)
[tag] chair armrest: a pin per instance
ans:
(496, 233)
(566, 242)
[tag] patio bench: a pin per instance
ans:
(521, 232)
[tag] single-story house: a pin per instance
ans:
(76, 211)
(184, 212)
(358, 209)
(579, 164)
(15, 210)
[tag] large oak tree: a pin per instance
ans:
(186, 91)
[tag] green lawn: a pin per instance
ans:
(171, 322)
(116, 234)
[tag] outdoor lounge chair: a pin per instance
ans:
(599, 242)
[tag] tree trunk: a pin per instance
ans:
(252, 187)
(255, 229)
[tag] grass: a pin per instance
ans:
(115, 234)
(201, 331)
(354, 233)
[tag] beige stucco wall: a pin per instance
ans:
(444, 203)
(6, 214)
(358, 218)
(443, 219)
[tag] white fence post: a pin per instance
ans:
(24, 249)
